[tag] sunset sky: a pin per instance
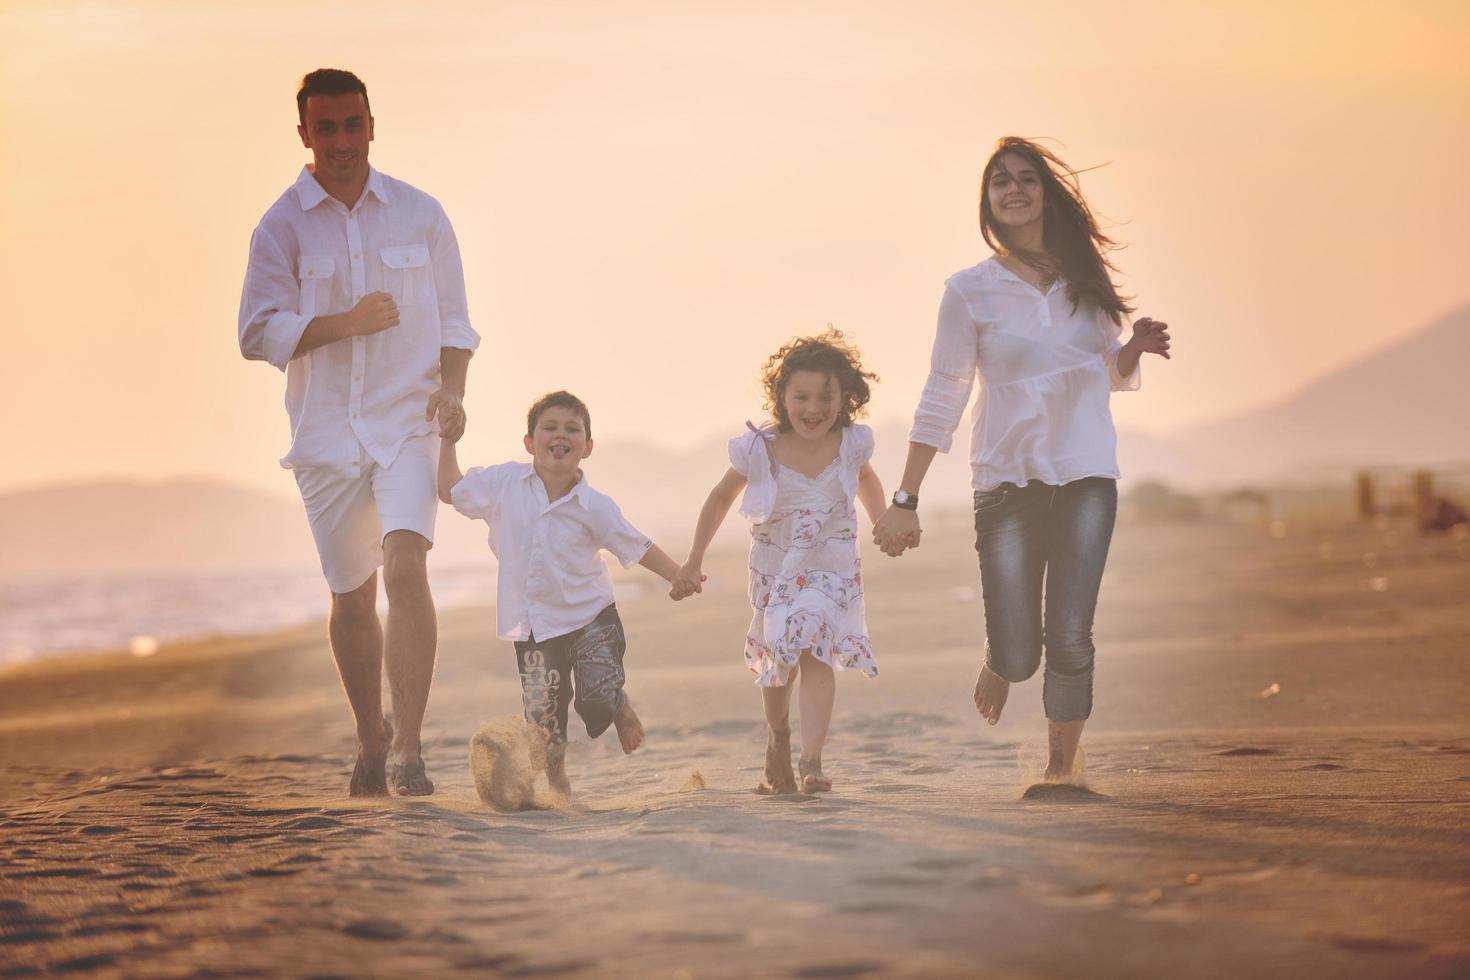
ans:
(651, 197)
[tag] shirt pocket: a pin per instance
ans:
(315, 273)
(406, 273)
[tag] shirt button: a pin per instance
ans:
(356, 256)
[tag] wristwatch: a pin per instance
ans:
(905, 500)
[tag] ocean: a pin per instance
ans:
(61, 616)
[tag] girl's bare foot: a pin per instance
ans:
(990, 694)
(1063, 739)
(812, 780)
(630, 729)
(779, 777)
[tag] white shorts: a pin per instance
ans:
(351, 515)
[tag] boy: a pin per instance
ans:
(554, 597)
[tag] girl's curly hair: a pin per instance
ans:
(827, 353)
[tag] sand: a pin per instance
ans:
(186, 813)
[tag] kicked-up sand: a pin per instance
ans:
(1277, 783)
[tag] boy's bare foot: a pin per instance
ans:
(630, 729)
(812, 780)
(779, 777)
(369, 775)
(990, 694)
(1063, 745)
(556, 772)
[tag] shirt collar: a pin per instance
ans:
(310, 193)
(579, 491)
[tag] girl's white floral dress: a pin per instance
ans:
(806, 581)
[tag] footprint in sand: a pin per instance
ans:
(382, 929)
(832, 970)
(1063, 793)
(896, 881)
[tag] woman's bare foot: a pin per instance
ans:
(779, 777)
(990, 694)
(812, 780)
(1063, 739)
(630, 729)
(370, 773)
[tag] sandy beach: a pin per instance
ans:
(186, 813)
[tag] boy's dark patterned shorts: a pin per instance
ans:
(593, 657)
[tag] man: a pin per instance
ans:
(355, 290)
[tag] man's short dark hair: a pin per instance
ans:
(558, 399)
(329, 81)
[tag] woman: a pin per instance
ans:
(1041, 323)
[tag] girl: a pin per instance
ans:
(800, 475)
(1041, 323)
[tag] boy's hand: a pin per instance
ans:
(688, 581)
(449, 407)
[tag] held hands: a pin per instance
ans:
(688, 581)
(449, 406)
(374, 313)
(897, 530)
(1150, 336)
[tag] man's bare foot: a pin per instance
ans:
(1064, 739)
(812, 780)
(370, 773)
(990, 694)
(779, 777)
(630, 729)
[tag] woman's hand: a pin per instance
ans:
(1150, 336)
(897, 530)
(688, 581)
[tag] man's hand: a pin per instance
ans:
(374, 313)
(1150, 336)
(448, 405)
(689, 581)
(897, 530)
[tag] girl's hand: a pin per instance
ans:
(1150, 336)
(897, 530)
(688, 581)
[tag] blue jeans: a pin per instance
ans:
(1059, 535)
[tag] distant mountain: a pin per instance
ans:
(124, 528)
(1406, 405)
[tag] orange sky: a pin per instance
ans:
(650, 197)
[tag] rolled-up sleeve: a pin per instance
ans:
(1116, 381)
(627, 544)
(454, 312)
(270, 327)
(952, 368)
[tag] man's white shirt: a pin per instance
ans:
(552, 578)
(312, 256)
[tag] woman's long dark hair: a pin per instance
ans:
(1075, 248)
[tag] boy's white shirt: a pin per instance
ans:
(552, 579)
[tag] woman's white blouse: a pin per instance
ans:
(1045, 378)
